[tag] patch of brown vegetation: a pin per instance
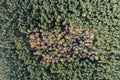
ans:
(62, 45)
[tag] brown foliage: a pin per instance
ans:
(62, 45)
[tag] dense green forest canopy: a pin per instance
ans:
(17, 61)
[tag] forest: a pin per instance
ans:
(59, 40)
